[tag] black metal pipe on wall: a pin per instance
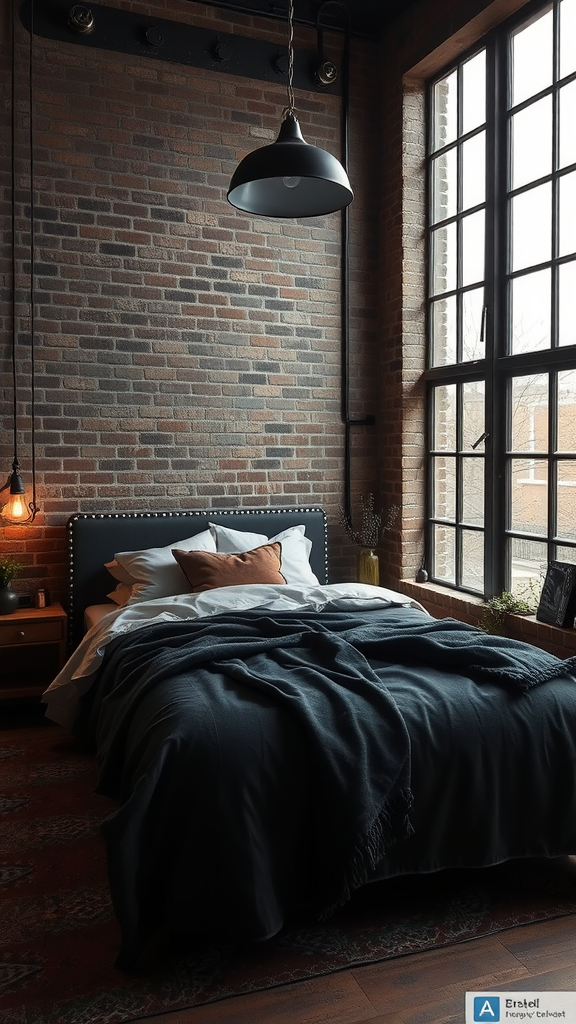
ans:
(349, 423)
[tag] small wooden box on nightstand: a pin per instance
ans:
(32, 650)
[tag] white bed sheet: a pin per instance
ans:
(95, 612)
(78, 674)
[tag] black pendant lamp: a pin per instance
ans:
(290, 178)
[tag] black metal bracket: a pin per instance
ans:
(368, 421)
(108, 28)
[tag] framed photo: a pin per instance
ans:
(558, 598)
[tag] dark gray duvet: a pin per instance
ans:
(269, 764)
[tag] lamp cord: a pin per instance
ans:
(290, 109)
(33, 506)
(13, 183)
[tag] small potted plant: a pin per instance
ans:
(497, 609)
(368, 536)
(9, 568)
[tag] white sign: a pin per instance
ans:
(500, 1007)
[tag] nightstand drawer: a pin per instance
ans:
(30, 633)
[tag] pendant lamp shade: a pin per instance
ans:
(290, 178)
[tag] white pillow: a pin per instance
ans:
(296, 548)
(153, 572)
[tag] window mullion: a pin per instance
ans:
(497, 313)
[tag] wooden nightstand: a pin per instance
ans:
(32, 650)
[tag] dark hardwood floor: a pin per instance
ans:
(425, 988)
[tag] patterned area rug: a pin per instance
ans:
(58, 937)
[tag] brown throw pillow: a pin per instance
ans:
(206, 570)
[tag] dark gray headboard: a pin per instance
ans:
(94, 538)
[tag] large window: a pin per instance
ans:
(501, 374)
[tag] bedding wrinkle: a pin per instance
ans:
(77, 676)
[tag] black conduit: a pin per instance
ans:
(345, 255)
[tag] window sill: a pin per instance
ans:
(443, 602)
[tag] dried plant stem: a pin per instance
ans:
(371, 528)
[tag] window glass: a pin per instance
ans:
(473, 324)
(529, 561)
(445, 418)
(444, 186)
(567, 147)
(567, 413)
(473, 243)
(529, 495)
(565, 554)
(444, 487)
(473, 560)
(567, 218)
(567, 304)
(529, 413)
(445, 553)
(473, 491)
(566, 499)
(532, 58)
(473, 171)
(473, 417)
(443, 254)
(445, 111)
(444, 331)
(531, 227)
(529, 161)
(531, 299)
(567, 20)
(474, 92)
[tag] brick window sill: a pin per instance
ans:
(442, 602)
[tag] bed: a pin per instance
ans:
(274, 741)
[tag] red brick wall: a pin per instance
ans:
(187, 355)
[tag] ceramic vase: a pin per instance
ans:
(368, 567)
(8, 600)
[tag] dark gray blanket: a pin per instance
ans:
(315, 672)
(317, 668)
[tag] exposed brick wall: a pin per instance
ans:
(187, 355)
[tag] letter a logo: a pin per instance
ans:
(487, 1008)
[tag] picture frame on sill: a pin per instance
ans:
(558, 598)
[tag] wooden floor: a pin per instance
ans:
(425, 988)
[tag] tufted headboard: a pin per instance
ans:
(94, 538)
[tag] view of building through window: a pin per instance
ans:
(502, 308)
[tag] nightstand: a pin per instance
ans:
(32, 650)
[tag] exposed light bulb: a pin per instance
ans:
(291, 182)
(15, 508)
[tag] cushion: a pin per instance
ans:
(206, 571)
(296, 548)
(153, 573)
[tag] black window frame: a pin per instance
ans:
(497, 367)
